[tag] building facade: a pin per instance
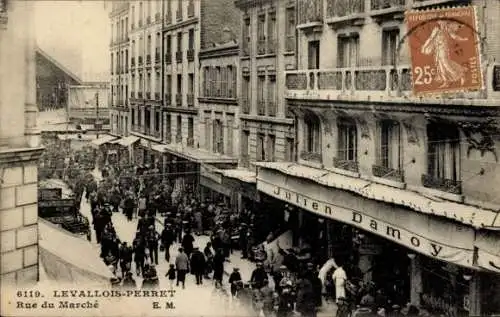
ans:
(119, 69)
(381, 174)
(19, 145)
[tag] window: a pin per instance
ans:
(223, 81)
(246, 37)
(313, 55)
(271, 95)
(390, 40)
(289, 150)
(179, 42)
(169, 44)
(157, 85)
(218, 137)
(231, 77)
(312, 133)
(271, 33)
(168, 88)
(443, 157)
(207, 130)
(190, 83)
(261, 35)
(260, 95)
(290, 30)
(179, 84)
(260, 154)
(157, 121)
(168, 126)
(206, 79)
(112, 64)
(133, 116)
(390, 144)
(191, 39)
(245, 136)
(246, 94)
(179, 10)
(348, 51)
(271, 144)
(147, 119)
(148, 47)
(230, 121)
(217, 81)
(179, 126)
(191, 131)
(347, 142)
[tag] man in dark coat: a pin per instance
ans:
(312, 275)
(187, 243)
(243, 240)
(218, 266)
(152, 240)
(139, 254)
(125, 258)
(258, 276)
(198, 265)
(305, 299)
(167, 238)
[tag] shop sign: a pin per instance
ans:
(435, 303)
(445, 252)
(210, 173)
(49, 193)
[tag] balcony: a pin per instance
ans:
(344, 10)
(387, 9)
(310, 13)
(178, 137)
(190, 142)
(190, 55)
(157, 96)
(148, 95)
(178, 57)
(385, 4)
(178, 100)
(139, 95)
(271, 108)
(245, 105)
(168, 59)
(148, 59)
(140, 61)
(347, 165)
(261, 46)
(442, 184)
(388, 173)
(261, 108)
(271, 46)
(190, 100)
(168, 137)
(377, 82)
(290, 43)
(311, 156)
(157, 17)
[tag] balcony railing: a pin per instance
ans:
(190, 9)
(190, 55)
(190, 100)
(347, 165)
(148, 59)
(190, 142)
(178, 100)
(385, 4)
(157, 96)
(178, 138)
(139, 95)
(341, 8)
(377, 78)
(168, 59)
(140, 60)
(442, 184)
(148, 95)
(178, 57)
(388, 173)
(271, 108)
(311, 156)
(261, 46)
(168, 137)
(310, 11)
(261, 108)
(167, 101)
(290, 43)
(157, 17)
(271, 46)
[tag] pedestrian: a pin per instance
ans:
(339, 277)
(243, 240)
(152, 239)
(235, 281)
(198, 218)
(306, 305)
(139, 254)
(285, 303)
(187, 242)
(182, 266)
(167, 239)
(312, 275)
(171, 275)
(198, 265)
(141, 205)
(267, 295)
(258, 276)
(209, 256)
(218, 266)
(125, 258)
(178, 227)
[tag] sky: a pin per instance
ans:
(76, 34)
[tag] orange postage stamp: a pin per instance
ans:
(445, 50)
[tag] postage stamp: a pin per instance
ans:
(445, 50)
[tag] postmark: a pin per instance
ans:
(445, 50)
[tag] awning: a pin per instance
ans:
(241, 174)
(62, 261)
(128, 141)
(194, 154)
(103, 139)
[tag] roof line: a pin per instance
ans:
(55, 62)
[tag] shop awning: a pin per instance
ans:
(195, 155)
(103, 139)
(466, 214)
(241, 174)
(128, 141)
(62, 261)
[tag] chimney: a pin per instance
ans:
(227, 35)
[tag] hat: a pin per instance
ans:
(236, 268)
(309, 264)
(283, 267)
(259, 263)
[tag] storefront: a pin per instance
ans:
(213, 189)
(394, 246)
(127, 148)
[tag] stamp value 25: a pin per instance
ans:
(445, 50)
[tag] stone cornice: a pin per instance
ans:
(232, 50)
(19, 156)
(180, 110)
(215, 100)
(181, 24)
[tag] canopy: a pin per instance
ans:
(69, 259)
(103, 139)
(128, 141)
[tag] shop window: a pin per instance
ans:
(389, 151)
(312, 137)
(443, 158)
(347, 147)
